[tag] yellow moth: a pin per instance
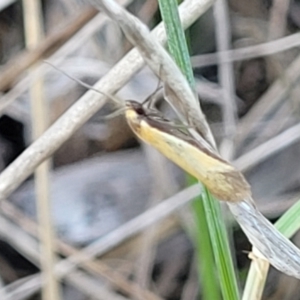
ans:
(220, 177)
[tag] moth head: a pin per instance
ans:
(134, 112)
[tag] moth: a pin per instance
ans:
(223, 181)
(219, 176)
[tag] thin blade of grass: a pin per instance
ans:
(289, 223)
(204, 253)
(176, 39)
(207, 212)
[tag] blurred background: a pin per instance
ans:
(103, 177)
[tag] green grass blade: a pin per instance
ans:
(289, 223)
(204, 253)
(176, 39)
(220, 247)
(212, 215)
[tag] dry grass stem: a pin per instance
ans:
(256, 278)
(92, 288)
(226, 78)
(269, 148)
(22, 288)
(86, 285)
(264, 49)
(20, 240)
(33, 35)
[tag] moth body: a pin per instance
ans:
(221, 178)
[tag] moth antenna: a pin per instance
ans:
(113, 114)
(114, 99)
(150, 101)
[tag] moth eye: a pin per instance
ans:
(139, 111)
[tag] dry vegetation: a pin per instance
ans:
(106, 190)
